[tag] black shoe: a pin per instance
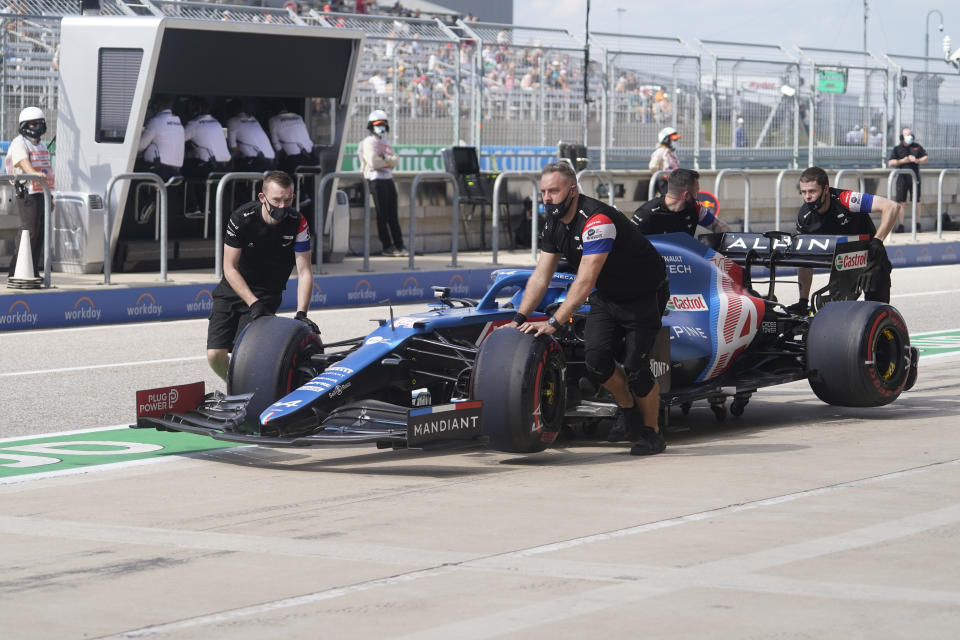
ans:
(627, 426)
(899, 229)
(648, 442)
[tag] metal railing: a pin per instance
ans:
(218, 221)
(779, 195)
(532, 177)
(319, 215)
(161, 188)
(47, 221)
(653, 183)
(434, 175)
(913, 194)
(940, 211)
(746, 192)
(603, 176)
(851, 172)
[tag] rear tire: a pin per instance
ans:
(858, 354)
(521, 381)
(271, 359)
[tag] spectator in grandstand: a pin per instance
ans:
(377, 161)
(247, 141)
(662, 107)
(26, 154)
(664, 157)
(854, 136)
(206, 151)
(909, 154)
(264, 240)
(678, 210)
(832, 211)
(874, 139)
(378, 82)
(740, 134)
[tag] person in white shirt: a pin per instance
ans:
(874, 139)
(27, 154)
(161, 145)
(290, 139)
(377, 161)
(247, 141)
(206, 151)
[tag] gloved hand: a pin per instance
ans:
(259, 309)
(799, 307)
(302, 317)
(875, 250)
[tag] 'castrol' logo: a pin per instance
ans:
(855, 260)
(687, 303)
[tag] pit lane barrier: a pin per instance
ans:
(160, 230)
(533, 178)
(653, 182)
(778, 191)
(861, 183)
(414, 186)
(603, 175)
(943, 174)
(320, 210)
(218, 216)
(913, 192)
(47, 219)
(746, 191)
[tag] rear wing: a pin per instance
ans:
(846, 257)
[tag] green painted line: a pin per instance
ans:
(86, 449)
(937, 343)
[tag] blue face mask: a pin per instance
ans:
(908, 140)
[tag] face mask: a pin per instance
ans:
(279, 213)
(379, 130)
(908, 140)
(558, 209)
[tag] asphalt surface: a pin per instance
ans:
(795, 520)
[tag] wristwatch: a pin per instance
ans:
(553, 322)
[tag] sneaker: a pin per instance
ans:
(394, 252)
(899, 229)
(627, 426)
(388, 251)
(648, 442)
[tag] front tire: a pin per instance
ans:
(271, 359)
(858, 354)
(521, 381)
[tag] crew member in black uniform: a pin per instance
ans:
(264, 239)
(907, 155)
(610, 254)
(829, 211)
(678, 209)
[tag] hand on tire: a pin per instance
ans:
(259, 309)
(302, 317)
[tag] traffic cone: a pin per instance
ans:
(24, 276)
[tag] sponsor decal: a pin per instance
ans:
(362, 292)
(405, 322)
(339, 389)
(687, 302)
(853, 260)
(375, 340)
(949, 254)
(153, 403)
(745, 242)
(678, 269)
(659, 368)
(673, 258)
(690, 332)
(410, 289)
(456, 421)
(83, 309)
(318, 296)
(203, 301)
(768, 326)
(146, 305)
(898, 257)
(924, 257)
(457, 286)
(19, 313)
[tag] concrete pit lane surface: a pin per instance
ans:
(797, 519)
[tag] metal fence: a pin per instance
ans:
(926, 98)
(734, 104)
(649, 82)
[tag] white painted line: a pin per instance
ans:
(34, 436)
(924, 293)
(100, 366)
(27, 477)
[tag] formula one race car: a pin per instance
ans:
(446, 376)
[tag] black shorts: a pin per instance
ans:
(230, 315)
(638, 321)
(904, 185)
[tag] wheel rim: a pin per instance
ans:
(887, 350)
(549, 397)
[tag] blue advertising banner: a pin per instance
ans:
(41, 310)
